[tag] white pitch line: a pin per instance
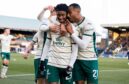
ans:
(20, 75)
(17, 75)
(114, 70)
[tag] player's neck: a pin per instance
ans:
(80, 19)
(5, 34)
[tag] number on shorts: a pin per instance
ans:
(95, 74)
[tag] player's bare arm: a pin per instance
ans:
(31, 44)
(41, 15)
(27, 50)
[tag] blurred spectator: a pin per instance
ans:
(118, 48)
(128, 56)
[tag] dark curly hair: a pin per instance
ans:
(61, 7)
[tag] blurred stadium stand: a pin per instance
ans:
(118, 40)
(26, 28)
(20, 24)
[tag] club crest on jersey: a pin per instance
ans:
(58, 39)
(59, 42)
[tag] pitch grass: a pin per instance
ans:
(111, 71)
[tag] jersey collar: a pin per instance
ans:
(80, 21)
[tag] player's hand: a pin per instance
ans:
(50, 8)
(54, 28)
(63, 30)
(25, 55)
(69, 27)
(67, 74)
(42, 69)
(42, 66)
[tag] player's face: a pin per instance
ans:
(73, 14)
(61, 16)
(7, 31)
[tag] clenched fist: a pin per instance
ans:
(69, 27)
(63, 30)
(54, 28)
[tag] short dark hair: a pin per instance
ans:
(5, 28)
(61, 7)
(75, 5)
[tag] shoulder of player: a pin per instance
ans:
(11, 36)
(1, 34)
(87, 22)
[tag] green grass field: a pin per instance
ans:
(111, 71)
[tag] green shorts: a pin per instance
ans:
(36, 67)
(86, 70)
(55, 74)
(5, 55)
